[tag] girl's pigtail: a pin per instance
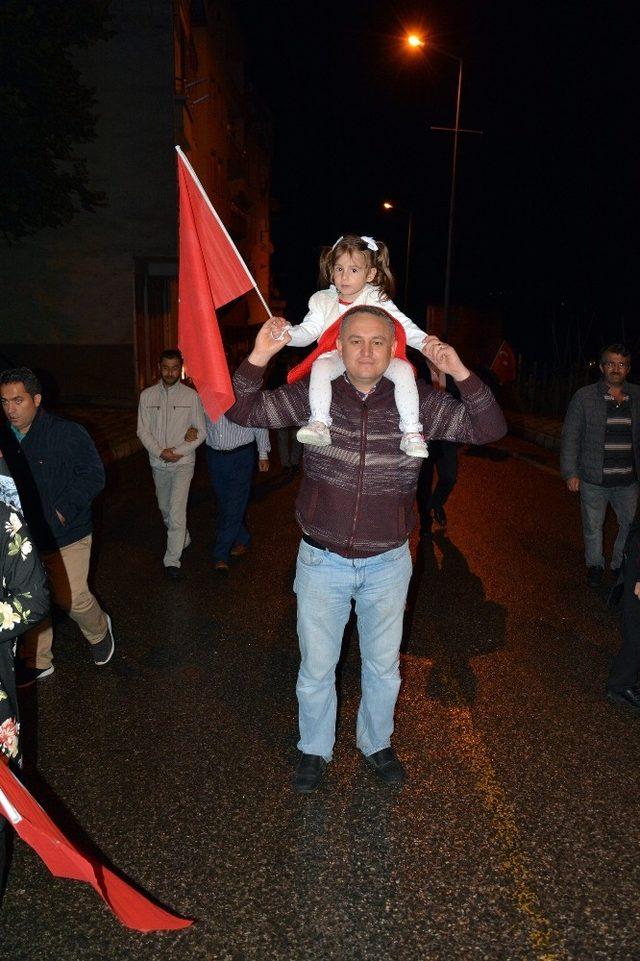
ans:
(325, 268)
(384, 279)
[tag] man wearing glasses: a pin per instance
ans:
(600, 456)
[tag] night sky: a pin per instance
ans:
(547, 197)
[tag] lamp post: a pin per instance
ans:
(415, 42)
(389, 206)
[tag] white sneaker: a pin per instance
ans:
(414, 445)
(314, 433)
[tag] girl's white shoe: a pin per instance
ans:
(414, 445)
(314, 433)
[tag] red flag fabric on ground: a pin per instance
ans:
(504, 364)
(211, 274)
(64, 860)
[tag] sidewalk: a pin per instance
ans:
(543, 431)
(113, 430)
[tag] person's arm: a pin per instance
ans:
(287, 406)
(415, 336)
(86, 472)
(301, 335)
(475, 419)
(264, 446)
(570, 440)
(198, 425)
(144, 433)
(24, 596)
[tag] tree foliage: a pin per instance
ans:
(45, 111)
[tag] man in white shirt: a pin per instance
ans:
(168, 413)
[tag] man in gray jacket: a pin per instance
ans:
(600, 455)
(171, 425)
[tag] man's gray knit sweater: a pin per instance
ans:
(357, 497)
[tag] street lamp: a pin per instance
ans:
(389, 206)
(415, 42)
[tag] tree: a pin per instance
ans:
(45, 112)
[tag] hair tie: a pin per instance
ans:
(369, 241)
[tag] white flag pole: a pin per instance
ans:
(226, 232)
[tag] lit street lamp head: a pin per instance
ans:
(415, 41)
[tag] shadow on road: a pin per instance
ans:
(449, 619)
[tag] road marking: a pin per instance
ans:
(471, 747)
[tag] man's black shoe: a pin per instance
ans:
(387, 766)
(308, 774)
(627, 697)
(26, 676)
(594, 576)
(172, 573)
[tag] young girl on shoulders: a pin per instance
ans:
(354, 271)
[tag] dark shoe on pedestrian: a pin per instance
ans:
(239, 550)
(103, 651)
(308, 773)
(439, 516)
(594, 576)
(627, 697)
(172, 573)
(387, 766)
(221, 567)
(26, 676)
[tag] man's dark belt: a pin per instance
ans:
(234, 450)
(310, 541)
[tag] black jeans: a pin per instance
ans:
(443, 455)
(625, 666)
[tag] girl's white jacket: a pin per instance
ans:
(325, 308)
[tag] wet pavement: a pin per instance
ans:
(516, 835)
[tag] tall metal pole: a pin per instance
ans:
(406, 269)
(452, 202)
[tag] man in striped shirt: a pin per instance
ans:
(600, 455)
(231, 458)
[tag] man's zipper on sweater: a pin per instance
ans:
(363, 447)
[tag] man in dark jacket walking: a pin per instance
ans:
(58, 473)
(356, 508)
(600, 455)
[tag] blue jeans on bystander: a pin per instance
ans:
(231, 473)
(593, 503)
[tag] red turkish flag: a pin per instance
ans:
(504, 364)
(212, 273)
(64, 860)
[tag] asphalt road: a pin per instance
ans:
(515, 837)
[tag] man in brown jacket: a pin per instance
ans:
(356, 508)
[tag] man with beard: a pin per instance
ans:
(600, 456)
(171, 426)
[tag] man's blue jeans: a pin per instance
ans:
(231, 474)
(593, 502)
(325, 585)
